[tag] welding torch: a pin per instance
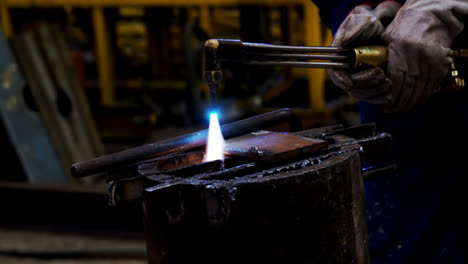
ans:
(220, 53)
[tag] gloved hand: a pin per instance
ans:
(361, 27)
(419, 41)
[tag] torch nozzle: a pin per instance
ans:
(213, 94)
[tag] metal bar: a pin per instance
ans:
(104, 56)
(58, 75)
(82, 103)
(305, 56)
(184, 142)
(294, 48)
(300, 64)
(44, 93)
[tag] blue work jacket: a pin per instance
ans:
(415, 216)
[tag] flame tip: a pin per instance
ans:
(215, 142)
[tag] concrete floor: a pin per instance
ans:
(24, 240)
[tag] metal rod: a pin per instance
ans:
(300, 64)
(184, 142)
(305, 56)
(294, 48)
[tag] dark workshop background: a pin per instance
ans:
(80, 79)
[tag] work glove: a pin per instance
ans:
(419, 41)
(363, 26)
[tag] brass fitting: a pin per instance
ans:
(371, 55)
(458, 82)
(459, 53)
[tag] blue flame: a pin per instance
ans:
(215, 142)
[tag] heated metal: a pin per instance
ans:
(184, 142)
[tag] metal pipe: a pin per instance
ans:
(304, 56)
(184, 142)
(300, 64)
(294, 48)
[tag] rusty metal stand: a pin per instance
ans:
(280, 203)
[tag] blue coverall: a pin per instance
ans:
(415, 216)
